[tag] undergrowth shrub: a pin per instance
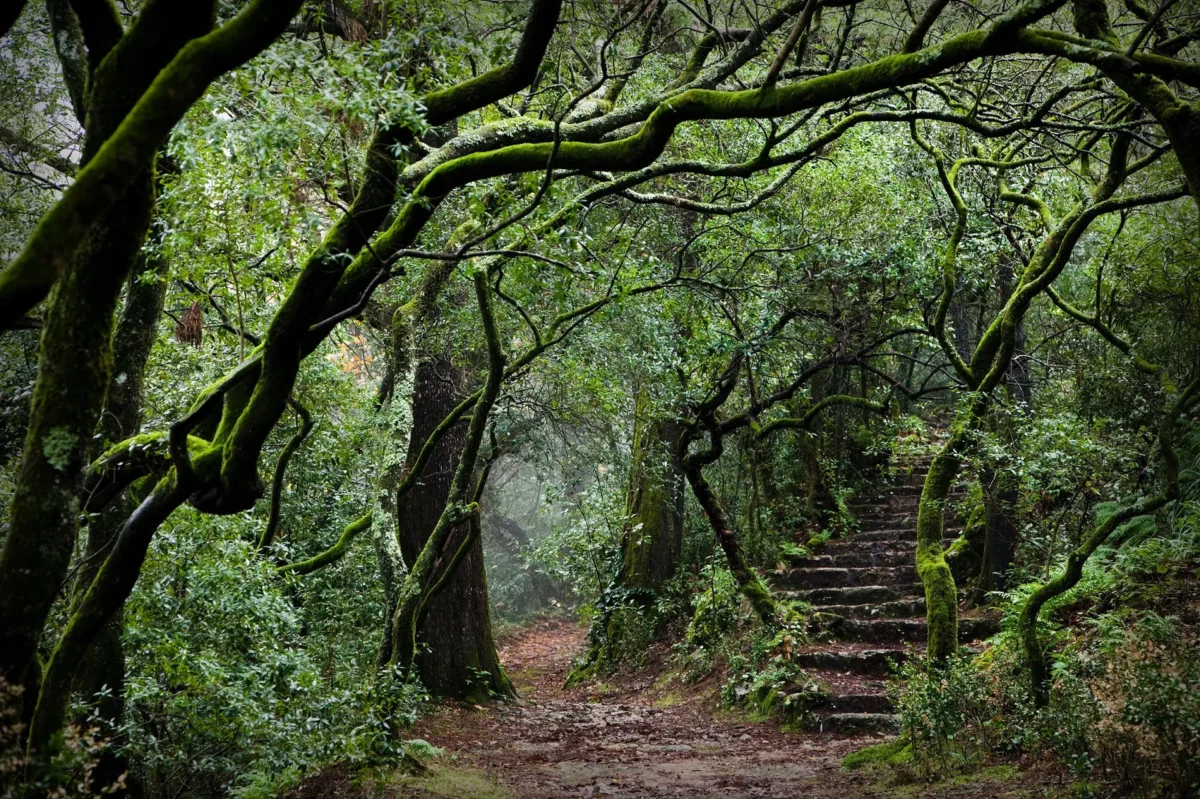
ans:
(764, 678)
(759, 662)
(69, 766)
(718, 609)
(1124, 712)
(944, 713)
(228, 690)
(1147, 736)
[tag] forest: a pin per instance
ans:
(568, 398)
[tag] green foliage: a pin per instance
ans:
(241, 680)
(944, 714)
(718, 609)
(225, 692)
(57, 445)
(760, 666)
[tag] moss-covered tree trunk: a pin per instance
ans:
(435, 566)
(748, 582)
(73, 376)
(102, 670)
(941, 593)
(457, 655)
(653, 535)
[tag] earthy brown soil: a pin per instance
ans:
(633, 737)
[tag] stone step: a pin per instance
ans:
(887, 534)
(888, 557)
(876, 515)
(850, 594)
(897, 609)
(892, 503)
(885, 516)
(814, 561)
(894, 631)
(851, 558)
(891, 496)
(898, 517)
(858, 703)
(847, 546)
(852, 661)
(849, 660)
(830, 577)
(900, 534)
(858, 724)
(908, 487)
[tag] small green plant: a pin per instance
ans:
(763, 675)
(717, 609)
(944, 713)
(56, 447)
(790, 549)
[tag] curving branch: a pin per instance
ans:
(749, 583)
(285, 343)
(1094, 321)
(19, 144)
(335, 552)
(1035, 654)
(916, 38)
(306, 427)
(108, 592)
(804, 422)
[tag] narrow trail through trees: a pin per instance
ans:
(633, 738)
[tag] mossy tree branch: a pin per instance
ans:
(284, 345)
(107, 594)
(916, 37)
(306, 427)
(474, 531)
(805, 422)
(335, 552)
(749, 583)
(130, 150)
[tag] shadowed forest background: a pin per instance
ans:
(638, 397)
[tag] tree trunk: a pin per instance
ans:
(103, 667)
(941, 594)
(653, 537)
(458, 654)
(1000, 538)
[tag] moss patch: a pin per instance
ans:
(1002, 773)
(892, 753)
(670, 700)
(451, 782)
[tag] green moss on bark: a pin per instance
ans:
(653, 534)
(941, 594)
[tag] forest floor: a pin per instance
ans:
(637, 736)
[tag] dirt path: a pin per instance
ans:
(630, 740)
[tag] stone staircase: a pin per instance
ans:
(869, 609)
